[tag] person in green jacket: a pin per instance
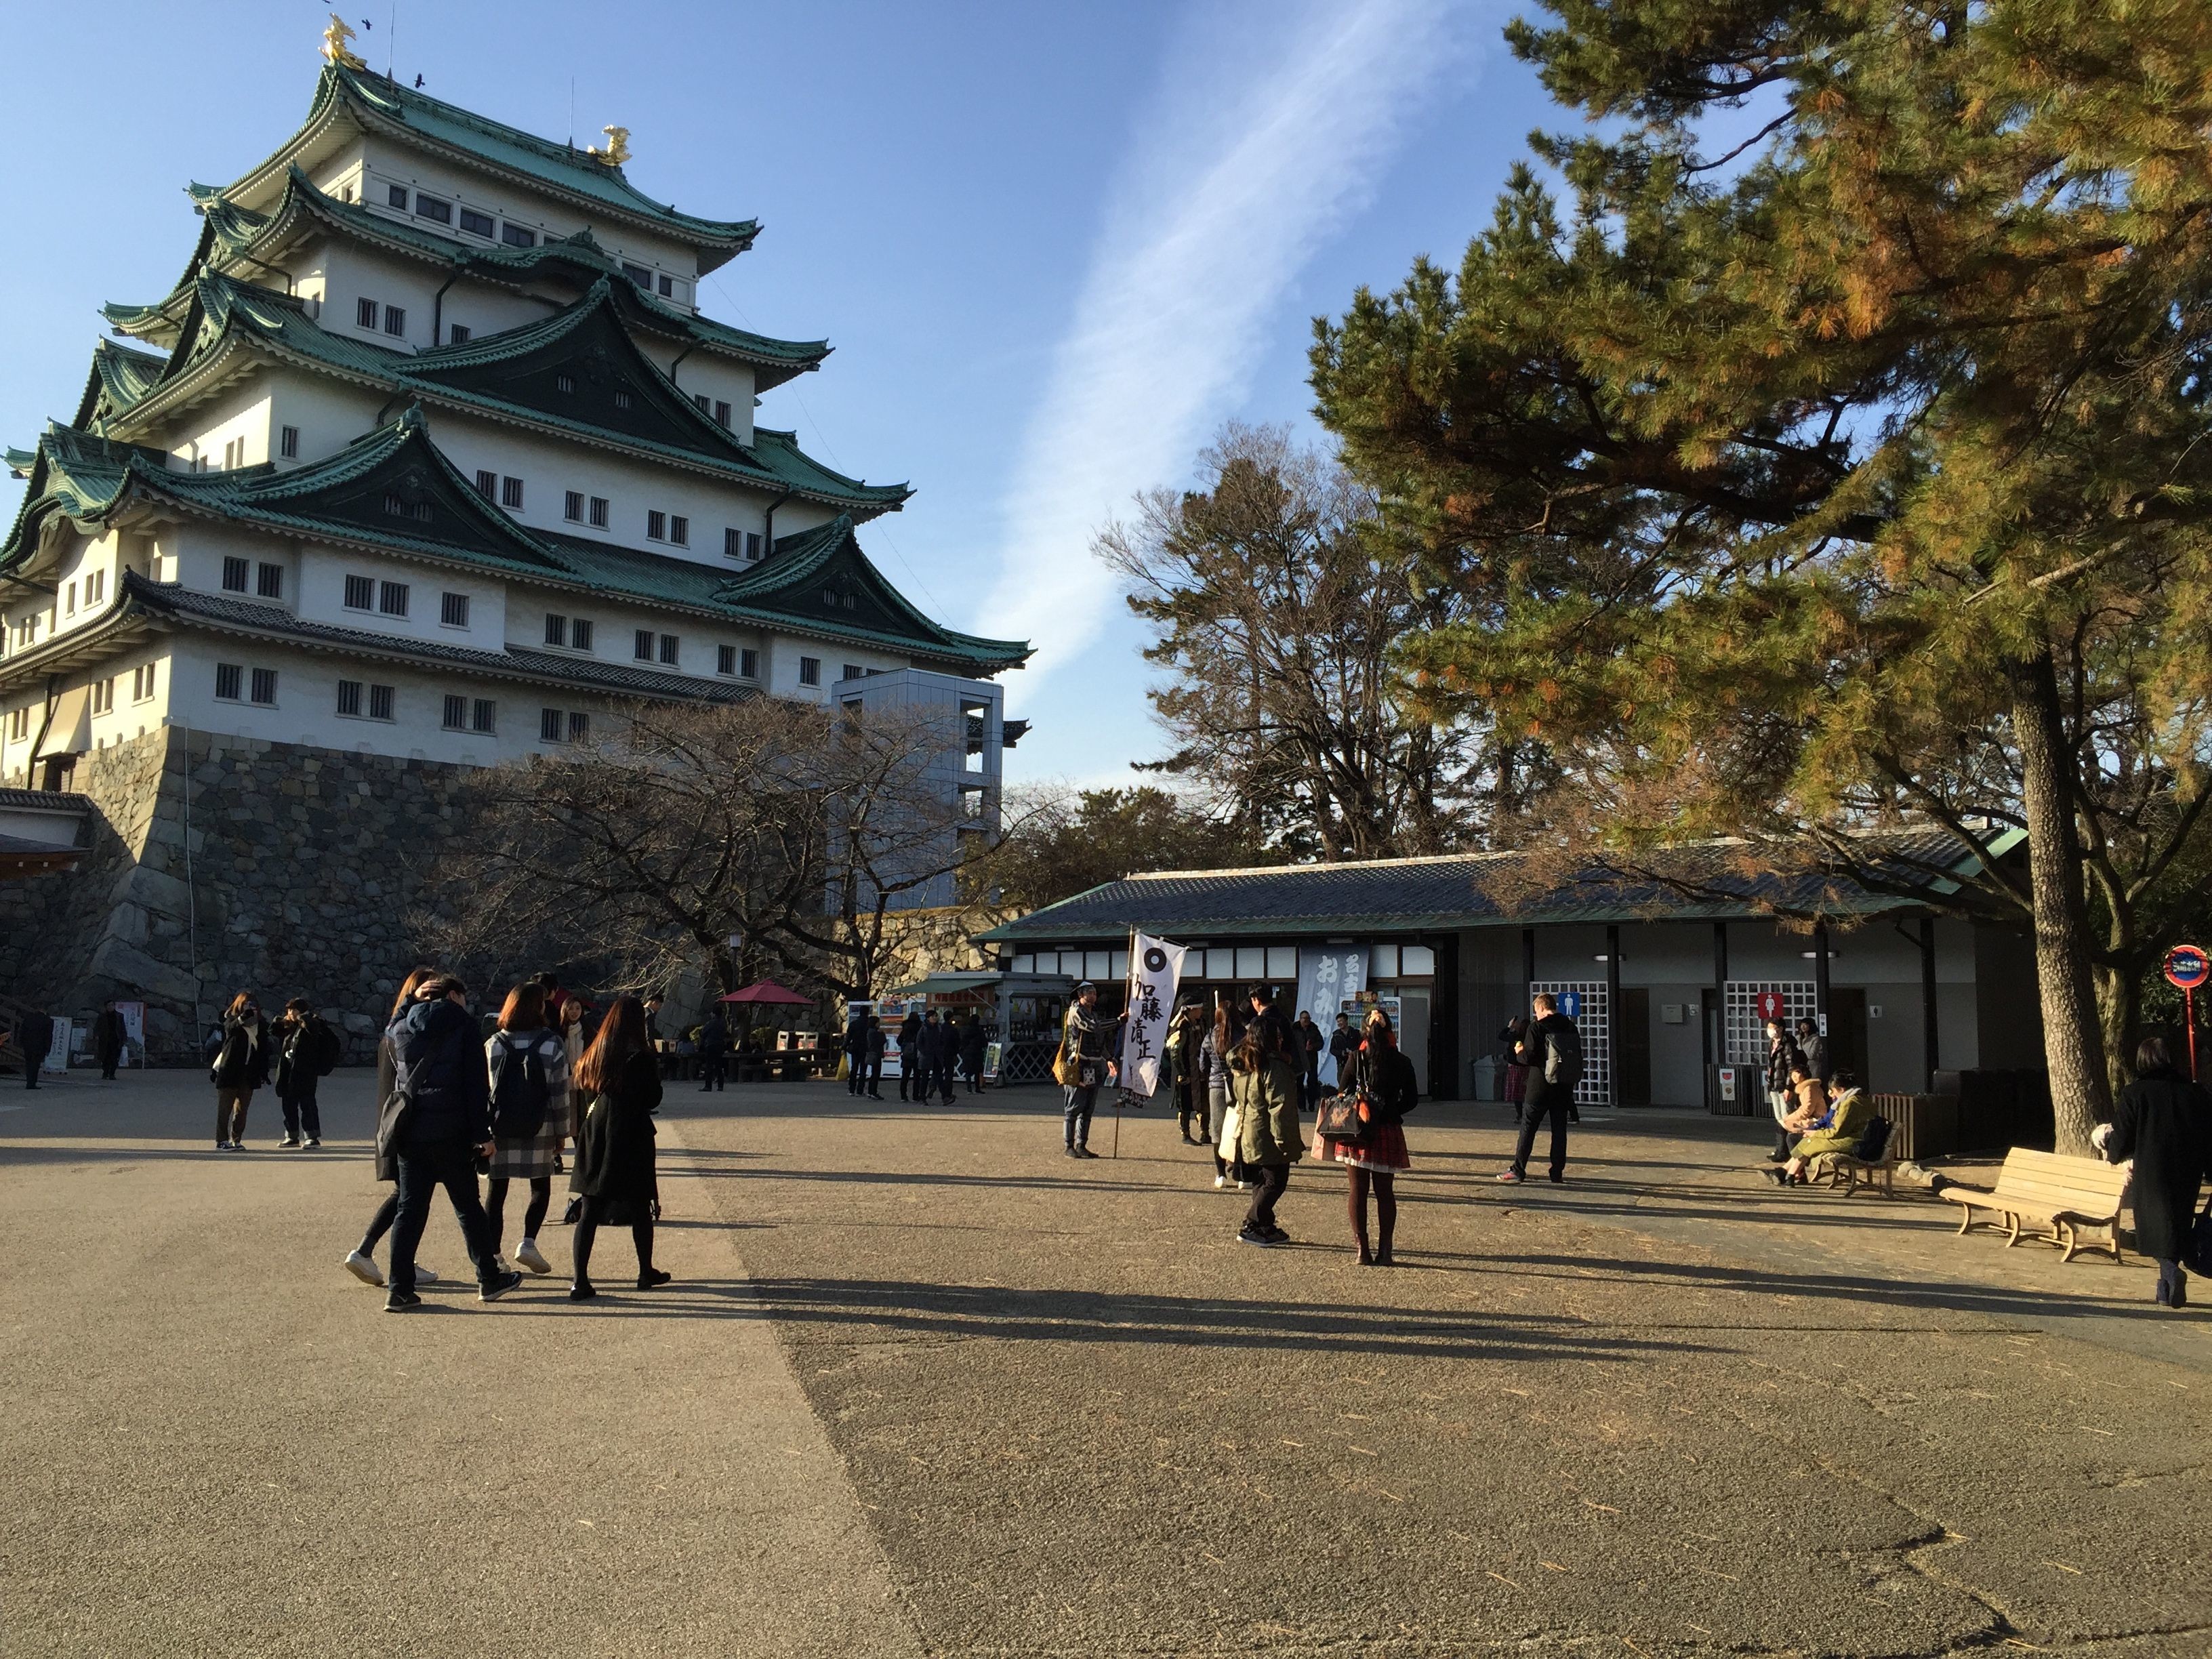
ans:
(1848, 1117)
(1263, 1081)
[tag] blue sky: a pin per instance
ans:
(1055, 244)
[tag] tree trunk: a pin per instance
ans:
(2073, 1033)
(2119, 1008)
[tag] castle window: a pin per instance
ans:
(572, 508)
(454, 610)
(264, 686)
(748, 664)
(854, 671)
(398, 508)
(564, 383)
(95, 588)
(229, 681)
(642, 644)
(733, 543)
(516, 236)
(235, 573)
(349, 698)
(360, 593)
(456, 713)
(639, 275)
(487, 484)
(656, 526)
(510, 493)
(477, 224)
(430, 207)
(580, 726)
(556, 629)
(722, 413)
(19, 725)
(380, 701)
(726, 660)
(667, 288)
(699, 399)
(392, 599)
(456, 333)
(810, 671)
(549, 725)
(395, 196)
(364, 314)
(482, 715)
(601, 511)
(269, 581)
(288, 443)
(622, 400)
(679, 530)
(234, 455)
(103, 694)
(580, 634)
(669, 647)
(142, 683)
(69, 600)
(395, 319)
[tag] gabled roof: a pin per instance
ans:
(1706, 881)
(515, 375)
(119, 379)
(394, 489)
(233, 235)
(375, 103)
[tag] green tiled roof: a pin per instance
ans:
(119, 378)
(511, 373)
(232, 233)
(378, 104)
(346, 497)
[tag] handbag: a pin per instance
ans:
(1338, 1119)
(2198, 1257)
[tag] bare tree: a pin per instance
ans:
(1277, 611)
(678, 827)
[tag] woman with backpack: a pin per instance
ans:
(1382, 1081)
(615, 1175)
(2164, 1122)
(306, 1050)
(360, 1260)
(241, 1065)
(529, 1066)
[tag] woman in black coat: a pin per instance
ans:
(615, 1175)
(242, 1065)
(2163, 1121)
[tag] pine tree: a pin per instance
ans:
(1842, 459)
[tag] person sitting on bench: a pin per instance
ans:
(1823, 1127)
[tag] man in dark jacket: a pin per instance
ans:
(856, 1054)
(1781, 1055)
(974, 1037)
(1552, 1052)
(34, 1036)
(107, 1034)
(1309, 1052)
(940, 1046)
(447, 1121)
(713, 1051)
(909, 1055)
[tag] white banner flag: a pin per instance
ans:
(1327, 975)
(1155, 972)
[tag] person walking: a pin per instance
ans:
(34, 1036)
(360, 1260)
(856, 1052)
(529, 1068)
(877, 1043)
(1310, 1045)
(974, 1037)
(615, 1175)
(1382, 1080)
(714, 1049)
(1264, 1085)
(241, 1065)
(442, 1122)
(1218, 1128)
(1781, 1098)
(909, 1056)
(107, 1039)
(1552, 1051)
(1082, 1066)
(941, 1042)
(2164, 1122)
(306, 1052)
(1515, 1038)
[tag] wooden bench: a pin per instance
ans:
(2064, 1194)
(1841, 1169)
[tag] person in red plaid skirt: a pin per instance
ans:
(1382, 1081)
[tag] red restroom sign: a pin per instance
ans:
(1771, 1006)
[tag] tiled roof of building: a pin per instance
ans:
(513, 373)
(1711, 880)
(395, 488)
(232, 234)
(378, 103)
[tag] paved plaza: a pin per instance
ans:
(924, 1386)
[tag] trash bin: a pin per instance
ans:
(1735, 1091)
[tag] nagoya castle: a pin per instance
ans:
(429, 461)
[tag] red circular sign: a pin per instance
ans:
(2186, 966)
(1770, 1004)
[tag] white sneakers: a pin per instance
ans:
(532, 1257)
(364, 1268)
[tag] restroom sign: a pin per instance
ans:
(1570, 1004)
(1772, 1006)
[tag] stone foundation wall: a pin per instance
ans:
(219, 865)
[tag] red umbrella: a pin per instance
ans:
(767, 991)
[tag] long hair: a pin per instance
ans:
(1259, 1045)
(622, 1036)
(1221, 1041)
(408, 987)
(524, 1009)
(237, 1006)
(1376, 1028)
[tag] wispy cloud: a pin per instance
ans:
(1257, 150)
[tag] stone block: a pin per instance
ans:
(125, 965)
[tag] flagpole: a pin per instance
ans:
(1128, 985)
